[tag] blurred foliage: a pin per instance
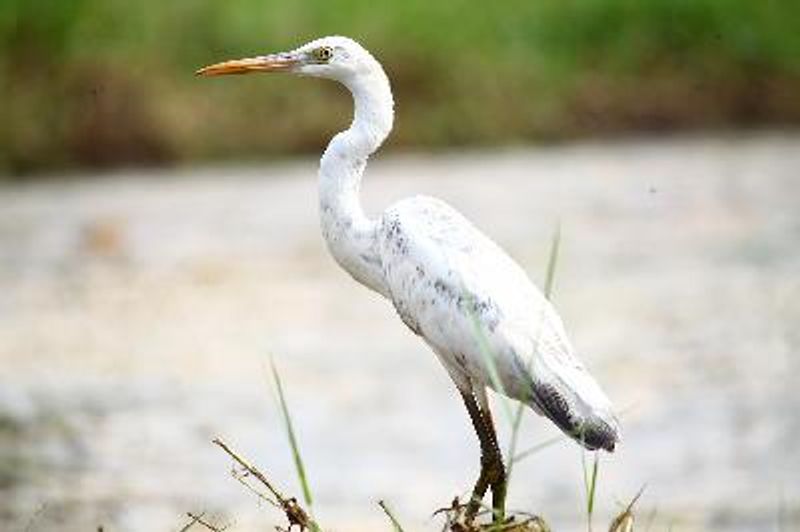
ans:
(108, 82)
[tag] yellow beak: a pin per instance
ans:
(264, 63)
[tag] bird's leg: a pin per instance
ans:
(482, 484)
(496, 470)
(492, 470)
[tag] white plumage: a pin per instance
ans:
(449, 283)
(444, 277)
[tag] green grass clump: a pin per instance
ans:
(105, 82)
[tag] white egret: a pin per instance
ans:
(449, 283)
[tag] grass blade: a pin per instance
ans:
(298, 460)
(552, 264)
(512, 446)
(590, 484)
(522, 455)
(552, 261)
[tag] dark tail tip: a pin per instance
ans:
(593, 432)
(598, 434)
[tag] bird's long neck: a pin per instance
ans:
(351, 235)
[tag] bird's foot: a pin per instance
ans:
(492, 475)
(496, 475)
(461, 516)
(459, 520)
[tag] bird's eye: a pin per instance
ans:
(323, 54)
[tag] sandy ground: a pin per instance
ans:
(138, 310)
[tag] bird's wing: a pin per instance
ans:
(469, 300)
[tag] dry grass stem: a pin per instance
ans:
(395, 523)
(295, 514)
(624, 521)
(198, 519)
(241, 475)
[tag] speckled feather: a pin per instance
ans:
(443, 275)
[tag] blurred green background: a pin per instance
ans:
(99, 83)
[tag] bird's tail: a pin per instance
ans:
(564, 392)
(591, 428)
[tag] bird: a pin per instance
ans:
(451, 285)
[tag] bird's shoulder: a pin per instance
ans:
(427, 232)
(423, 218)
(425, 237)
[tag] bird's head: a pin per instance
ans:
(338, 58)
